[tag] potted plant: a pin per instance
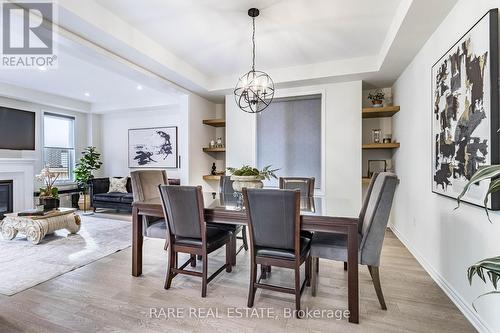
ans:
(250, 177)
(491, 266)
(89, 162)
(377, 98)
(49, 195)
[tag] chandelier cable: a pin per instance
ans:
(253, 43)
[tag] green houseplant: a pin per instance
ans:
(250, 177)
(489, 267)
(49, 194)
(89, 162)
(377, 97)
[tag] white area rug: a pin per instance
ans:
(24, 265)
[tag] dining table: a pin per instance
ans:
(229, 209)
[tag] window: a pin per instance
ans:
(59, 144)
(289, 138)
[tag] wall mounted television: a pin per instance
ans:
(17, 129)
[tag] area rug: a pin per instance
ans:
(24, 265)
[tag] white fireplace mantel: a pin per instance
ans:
(21, 172)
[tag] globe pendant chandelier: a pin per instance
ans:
(255, 90)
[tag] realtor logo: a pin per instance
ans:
(27, 34)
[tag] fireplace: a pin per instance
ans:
(6, 197)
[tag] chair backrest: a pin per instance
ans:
(183, 209)
(365, 201)
(305, 185)
(226, 185)
(376, 217)
(273, 218)
(145, 183)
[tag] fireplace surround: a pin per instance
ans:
(6, 197)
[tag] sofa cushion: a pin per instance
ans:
(128, 198)
(118, 185)
(109, 197)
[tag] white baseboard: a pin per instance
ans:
(455, 297)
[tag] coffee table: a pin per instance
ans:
(36, 227)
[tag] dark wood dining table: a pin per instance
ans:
(227, 209)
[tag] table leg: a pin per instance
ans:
(136, 243)
(352, 274)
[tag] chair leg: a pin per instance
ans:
(199, 257)
(314, 282)
(233, 249)
(317, 264)
(229, 266)
(263, 272)
(308, 271)
(204, 276)
(170, 273)
(374, 272)
(253, 280)
(193, 260)
(297, 290)
(244, 238)
(345, 265)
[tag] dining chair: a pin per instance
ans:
(274, 227)
(226, 189)
(305, 185)
(372, 224)
(187, 231)
(144, 187)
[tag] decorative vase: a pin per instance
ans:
(377, 103)
(84, 202)
(246, 181)
(49, 203)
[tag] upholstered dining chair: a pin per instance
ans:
(187, 232)
(372, 224)
(275, 240)
(226, 189)
(144, 187)
(305, 185)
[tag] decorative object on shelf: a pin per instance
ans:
(89, 162)
(250, 177)
(214, 169)
(376, 166)
(218, 143)
(49, 194)
(466, 113)
(255, 89)
(212, 144)
(377, 98)
(387, 138)
(153, 147)
(376, 135)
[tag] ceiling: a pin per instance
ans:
(214, 36)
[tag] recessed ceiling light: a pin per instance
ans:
(42, 68)
(139, 87)
(87, 94)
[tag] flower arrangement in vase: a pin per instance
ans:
(377, 98)
(49, 194)
(250, 177)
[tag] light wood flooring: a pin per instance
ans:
(104, 297)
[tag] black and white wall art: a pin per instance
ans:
(465, 116)
(152, 147)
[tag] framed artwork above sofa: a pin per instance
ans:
(153, 147)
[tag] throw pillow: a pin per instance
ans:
(118, 185)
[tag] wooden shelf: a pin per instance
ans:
(381, 145)
(388, 111)
(211, 177)
(365, 180)
(214, 150)
(215, 122)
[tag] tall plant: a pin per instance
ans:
(89, 162)
(491, 266)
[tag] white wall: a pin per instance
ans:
(341, 141)
(81, 134)
(444, 240)
(114, 137)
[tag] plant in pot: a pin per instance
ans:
(49, 194)
(250, 177)
(489, 267)
(377, 98)
(89, 162)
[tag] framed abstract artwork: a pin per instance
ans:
(465, 116)
(152, 147)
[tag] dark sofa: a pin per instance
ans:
(100, 198)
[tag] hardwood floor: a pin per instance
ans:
(104, 297)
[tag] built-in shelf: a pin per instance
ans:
(381, 145)
(214, 150)
(215, 122)
(211, 177)
(387, 111)
(365, 180)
